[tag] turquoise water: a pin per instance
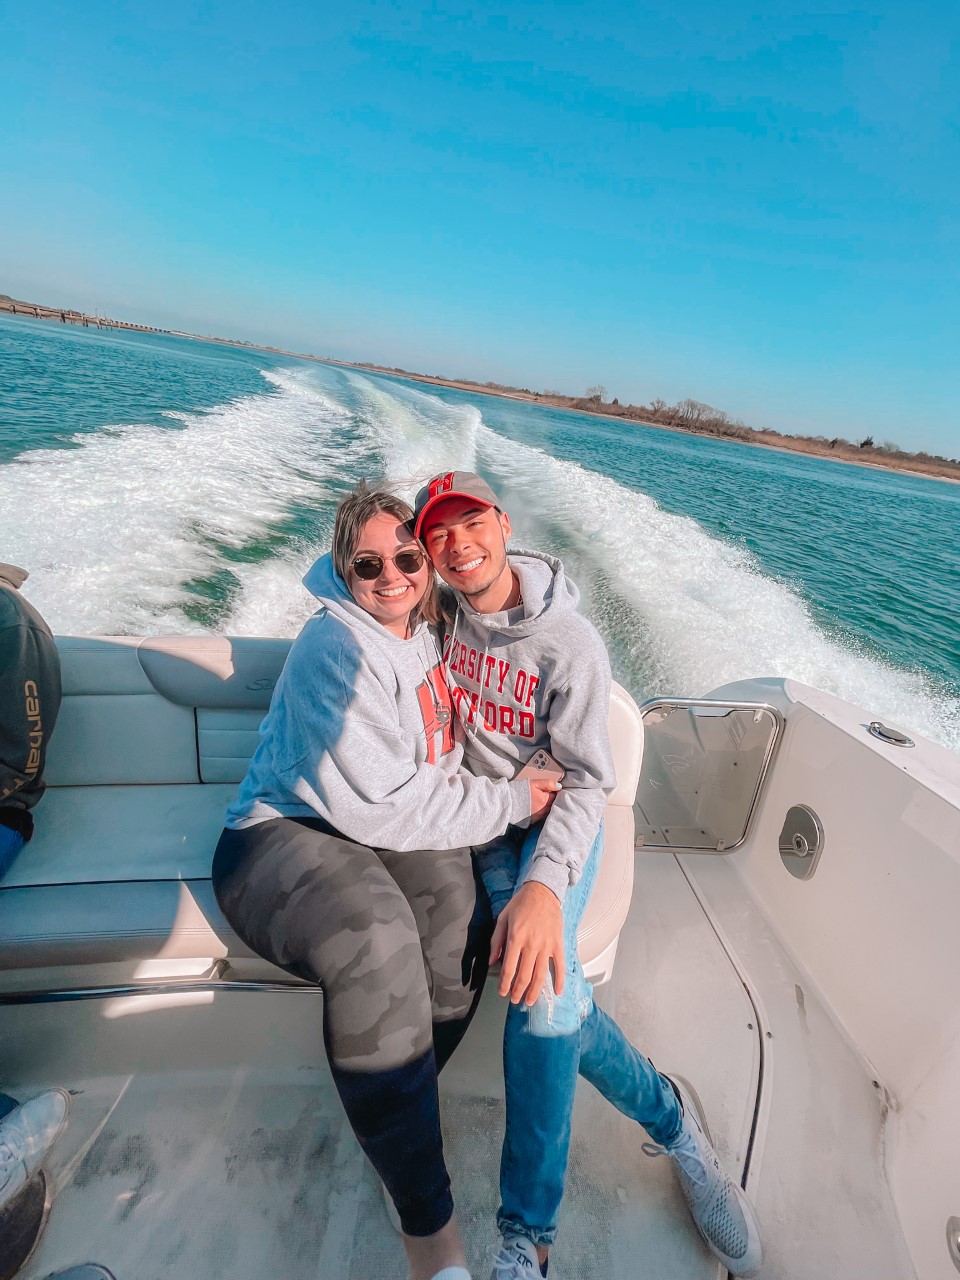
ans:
(57, 382)
(157, 484)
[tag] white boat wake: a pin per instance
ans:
(114, 529)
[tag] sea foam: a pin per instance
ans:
(114, 528)
(682, 611)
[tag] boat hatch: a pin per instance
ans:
(704, 766)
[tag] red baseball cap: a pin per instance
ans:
(451, 484)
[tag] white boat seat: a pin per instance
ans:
(127, 920)
(153, 737)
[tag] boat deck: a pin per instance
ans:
(206, 1139)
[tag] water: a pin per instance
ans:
(154, 484)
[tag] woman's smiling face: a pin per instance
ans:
(393, 595)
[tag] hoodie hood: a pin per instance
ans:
(13, 575)
(548, 598)
(323, 581)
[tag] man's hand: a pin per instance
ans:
(543, 792)
(529, 936)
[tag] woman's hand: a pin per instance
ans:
(529, 936)
(542, 794)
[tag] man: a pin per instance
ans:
(527, 673)
(29, 702)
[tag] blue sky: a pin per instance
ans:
(759, 210)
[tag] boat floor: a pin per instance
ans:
(206, 1139)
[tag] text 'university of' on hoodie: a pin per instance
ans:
(531, 677)
(361, 731)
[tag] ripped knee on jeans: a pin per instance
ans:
(553, 1015)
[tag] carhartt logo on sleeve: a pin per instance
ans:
(31, 706)
(31, 696)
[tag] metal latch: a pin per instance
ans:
(893, 737)
(801, 841)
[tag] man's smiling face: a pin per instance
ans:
(467, 544)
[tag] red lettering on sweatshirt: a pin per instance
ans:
(498, 676)
(436, 708)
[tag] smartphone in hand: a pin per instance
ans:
(542, 765)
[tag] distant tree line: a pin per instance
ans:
(694, 415)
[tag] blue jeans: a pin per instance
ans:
(546, 1046)
(11, 842)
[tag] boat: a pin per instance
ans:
(776, 920)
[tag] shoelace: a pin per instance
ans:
(688, 1157)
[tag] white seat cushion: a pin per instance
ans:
(610, 900)
(103, 834)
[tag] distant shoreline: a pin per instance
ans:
(936, 469)
(783, 443)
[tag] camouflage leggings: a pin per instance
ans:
(396, 940)
(389, 936)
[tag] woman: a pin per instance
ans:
(324, 866)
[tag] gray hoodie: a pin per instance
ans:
(360, 731)
(531, 677)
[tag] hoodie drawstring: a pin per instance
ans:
(454, 688)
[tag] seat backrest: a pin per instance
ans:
(626, 739)
(229, 682)
(182, 709)
(174, 709)
(114, 726)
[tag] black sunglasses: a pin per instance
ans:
(367, 568)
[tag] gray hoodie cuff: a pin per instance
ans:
(551, 874)
(519, 801)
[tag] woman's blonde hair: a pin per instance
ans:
(354, 511)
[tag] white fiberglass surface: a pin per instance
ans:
(818, 1169)
(206, 1140)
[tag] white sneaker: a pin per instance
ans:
(722, 1212)
(26, 1135)
(517, 1260)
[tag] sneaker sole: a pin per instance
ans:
(66, 1116)
(85, 1271)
